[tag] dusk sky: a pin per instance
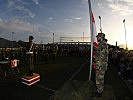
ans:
(65, 18)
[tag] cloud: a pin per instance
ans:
(77, 18)
(36, 2)
(110, 0)
(22, 8)
(125, 7)
(84, 1)
(31, 14)
(68, 20)
(17, 26)
(100, 5)
(10, 4)
(19, 5)
(50, 18)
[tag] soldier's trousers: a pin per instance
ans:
(100, 81)
(30, 63)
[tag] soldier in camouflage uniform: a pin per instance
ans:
(101, 62)
(30, 57)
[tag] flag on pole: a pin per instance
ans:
(93, 36)
(95, 43)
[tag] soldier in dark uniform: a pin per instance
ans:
(21, 54)
(2, 55)
(101, 62)
(29, 55)
(6, 54)
(46, 54)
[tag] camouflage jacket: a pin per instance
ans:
(101, 60)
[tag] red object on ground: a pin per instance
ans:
(30, 80)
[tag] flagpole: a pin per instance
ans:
(91, 31)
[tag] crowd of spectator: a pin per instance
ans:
(122, 62)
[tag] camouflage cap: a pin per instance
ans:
(101, 35)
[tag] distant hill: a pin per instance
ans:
(22, 43)
(7, 43)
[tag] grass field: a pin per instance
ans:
(53, 76)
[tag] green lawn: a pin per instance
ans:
(54, 75)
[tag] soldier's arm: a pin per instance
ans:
(104, 52)
(34, 46)
(105, 56)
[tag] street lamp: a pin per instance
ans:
(53, 38)
(100, 24)
(12, 38)
(125, 33)
(83, 36)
